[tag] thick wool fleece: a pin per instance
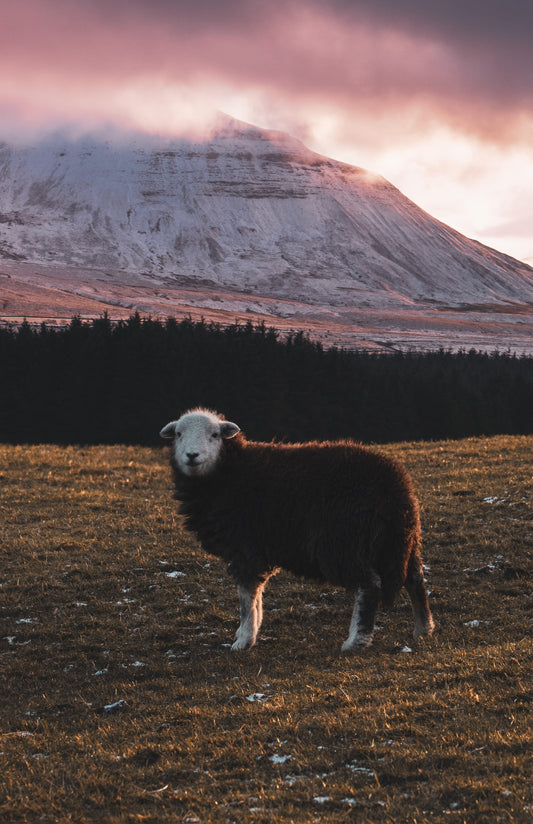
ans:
(333, 511)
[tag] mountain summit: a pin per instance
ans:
(247, 210)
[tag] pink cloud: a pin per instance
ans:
(73, 59)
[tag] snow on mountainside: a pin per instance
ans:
(247, 210)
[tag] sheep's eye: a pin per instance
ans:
(214, 435)
(178, 434)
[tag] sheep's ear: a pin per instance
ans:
(169, 430)
(229, 430)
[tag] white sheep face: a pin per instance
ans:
(198, 438)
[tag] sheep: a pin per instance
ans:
(332, 511)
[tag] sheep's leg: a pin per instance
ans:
(416, 587)
(251, 601)
(363, 617)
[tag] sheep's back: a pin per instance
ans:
(324, 510)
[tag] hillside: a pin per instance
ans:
(121, 700)
(247, 209)
(246, 224)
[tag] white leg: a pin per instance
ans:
(353, 633)
(362, 623)
(251, 601)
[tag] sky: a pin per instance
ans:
(436, 95)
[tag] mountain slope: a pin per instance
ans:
(249, 210)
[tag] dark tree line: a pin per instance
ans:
(100, 382)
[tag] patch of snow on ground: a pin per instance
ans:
(117, 705)
(361, 770)
(474, 623)
(279, 759)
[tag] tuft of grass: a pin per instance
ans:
(121, 701)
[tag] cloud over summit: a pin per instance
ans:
(467, 63)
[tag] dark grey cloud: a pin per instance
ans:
(488, 41)
(501, 23)
(498, 22)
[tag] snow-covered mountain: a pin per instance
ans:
(247, 209)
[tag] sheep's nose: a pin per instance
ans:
(191, 456)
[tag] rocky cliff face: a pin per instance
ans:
(247, 209)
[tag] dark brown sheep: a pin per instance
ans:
(333, 511)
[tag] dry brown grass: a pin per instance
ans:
(121, 703)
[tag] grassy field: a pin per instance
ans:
(121, 701)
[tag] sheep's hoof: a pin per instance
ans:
(423, 630)
(241, 644)
(360, 643)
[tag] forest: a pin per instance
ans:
(104, 382)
